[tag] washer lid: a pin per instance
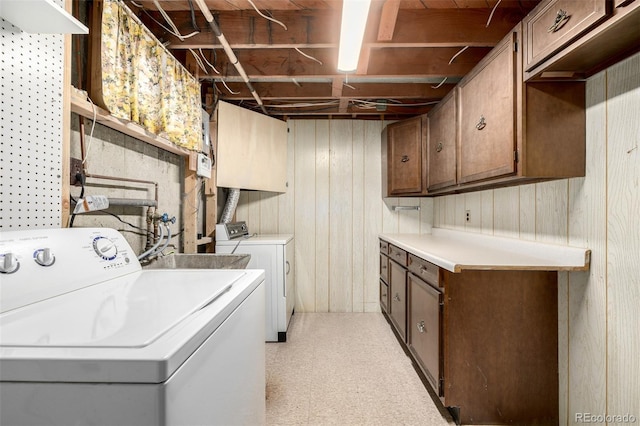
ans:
(129, 312)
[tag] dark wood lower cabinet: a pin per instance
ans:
(486, 341)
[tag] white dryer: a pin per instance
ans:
(275, 254)
(88, 337)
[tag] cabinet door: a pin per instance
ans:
(398, 304)
(487, 116)
(424, 329)
(554, 25)
(405, 157)
(441, 144)
(384, 296)
(384, 268)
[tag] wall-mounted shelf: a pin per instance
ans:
(80, 105)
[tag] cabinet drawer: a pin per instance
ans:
(384, 247)
(553, 25)
(427, 271)
(425, 329)
(384, 296)
(398, 298)
(384, 268)
(397, 255)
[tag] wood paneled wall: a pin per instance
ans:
(334, 207)
(599, 323)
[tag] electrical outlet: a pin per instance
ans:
(75, 167)
(468, 215)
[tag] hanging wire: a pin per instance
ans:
(308, 56)
(457, 54)
(441, 83)
(208, 63)
(194, 23)
(492, 11)
(93, 126)
(230, 91)
(199, 61)
(267, 17)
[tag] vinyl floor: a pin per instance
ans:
(345, 369)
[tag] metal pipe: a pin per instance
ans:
(136, 202)
(230, 53)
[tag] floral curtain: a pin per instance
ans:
(143, 83)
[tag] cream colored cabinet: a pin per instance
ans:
(441, 144)
(403, 158)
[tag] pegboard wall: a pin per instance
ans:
(31, 105)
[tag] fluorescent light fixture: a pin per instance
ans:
(354, 21)
(40, 17)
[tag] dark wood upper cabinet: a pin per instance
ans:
(555, 24)
(441, 144)
(487, 114)
(403, 158)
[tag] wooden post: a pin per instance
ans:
(189, 206)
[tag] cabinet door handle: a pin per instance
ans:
(421, 327)
(561, 18)
(288, 266)
(396, 297)
(439, 147)
(482, 123)
(405, 158)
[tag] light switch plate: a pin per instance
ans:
(204, 166)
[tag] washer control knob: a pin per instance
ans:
(105, 248)
(44, 257)
(8, 263)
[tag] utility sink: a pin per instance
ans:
(200, 261)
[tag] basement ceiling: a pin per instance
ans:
(414, 51)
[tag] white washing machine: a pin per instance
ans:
(89, 338)
(275, 254)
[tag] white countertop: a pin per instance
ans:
(456, 251)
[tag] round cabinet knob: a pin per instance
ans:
(44, 257)
(8, 263)
(105, 248)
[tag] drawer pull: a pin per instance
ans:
(421, 327)
(383, 267)
(561, 19)
(439, 147)
(405, 158)
(423, 269)
(482, 123)
(396, 297)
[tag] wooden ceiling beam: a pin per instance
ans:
(388, 20)
(321, 28)
(306, 91)
(414, 62)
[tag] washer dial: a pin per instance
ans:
(105, 248)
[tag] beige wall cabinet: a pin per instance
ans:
(252, 150)
(441, 144)
(403, 158)
(568, 39)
